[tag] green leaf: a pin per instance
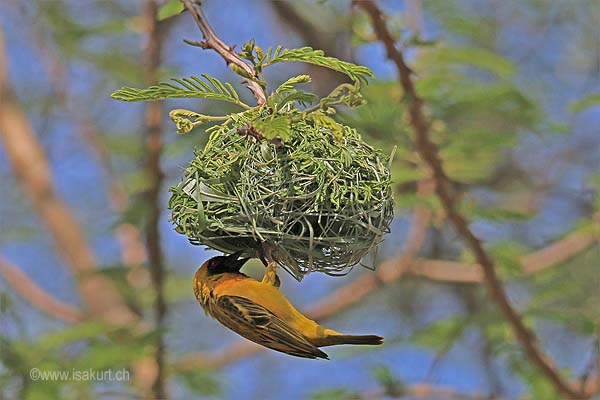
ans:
(474, 57)
(459, 19)
(472, 210)
(101, 356)
(401, 173)
(298, 96)
(72, 334)
(472, 154)
(440, 334)
(569, 292)
(346, 93)
(288, 86)
(508, 255)
(378, 119)
(504, 100)
(173, 287)
(409, 201)
(324, 121)
(317, 57)
(192, 87)
(584, 103)
(123, 144)
(384, 376)
(334, 394)
(137, 181)
(540, 386)
(171, 8)
(113, 62)
(135, 214)
(200, 382)
(118, 274)
(271, 128)
(498, 333)
(594, 181)
(44, 391)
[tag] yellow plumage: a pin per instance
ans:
(259, 312)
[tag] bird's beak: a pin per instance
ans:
(234, 263)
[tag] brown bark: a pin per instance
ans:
(156, 32)
(429, 153)
(212, 41)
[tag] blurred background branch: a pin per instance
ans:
(156, 33)
(36, 296)
(94, 277)
(133, 252)
(429, 152)
(31, 168)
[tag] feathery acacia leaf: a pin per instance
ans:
(317, 57)
(192, 87)
(287, 93)
(288, 86)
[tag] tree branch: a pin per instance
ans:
(212, 41)
(36, 296)
(414, 17)
(156, 33)
(31, 168)
(537, 261)
(428, 151)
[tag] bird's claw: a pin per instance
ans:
(270, 277)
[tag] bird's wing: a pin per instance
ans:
(256, 323)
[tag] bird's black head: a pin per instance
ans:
(221, 264)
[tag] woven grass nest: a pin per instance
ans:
(322, 199)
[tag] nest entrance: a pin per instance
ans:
(321, 201)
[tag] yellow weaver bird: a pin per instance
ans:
(259, 312)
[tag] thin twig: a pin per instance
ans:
(428, 151)
(554, 254)
(36, 296)
(414, 17)
(212, 41)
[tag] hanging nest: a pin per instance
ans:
(322, 200)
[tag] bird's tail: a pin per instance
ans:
(353, 339)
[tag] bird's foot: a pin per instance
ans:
(270, 277)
